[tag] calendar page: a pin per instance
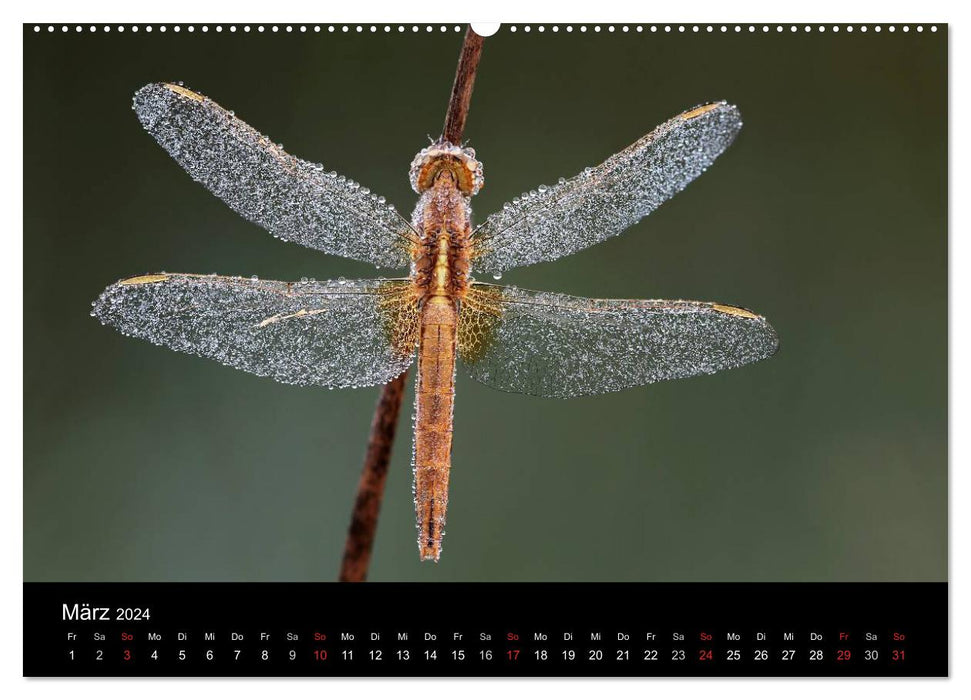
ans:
(517, 350)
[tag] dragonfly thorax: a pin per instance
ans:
(460, 162)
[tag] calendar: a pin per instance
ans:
(519, 350)
(479, 630)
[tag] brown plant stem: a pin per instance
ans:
(458, 103)
(370, 489)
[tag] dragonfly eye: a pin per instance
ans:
(461, 162)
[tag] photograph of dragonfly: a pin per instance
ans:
(354, 333)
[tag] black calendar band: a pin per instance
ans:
(469, 629)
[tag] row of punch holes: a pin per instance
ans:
(414, 28)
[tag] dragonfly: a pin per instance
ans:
(356, 333)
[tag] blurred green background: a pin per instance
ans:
(828, 215)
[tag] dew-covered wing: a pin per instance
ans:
(293, 199)
(601, 202)
(333, 334)
(561, 346)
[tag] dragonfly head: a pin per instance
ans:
(443, 156)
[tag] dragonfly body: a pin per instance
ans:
(352, 333)
(440, 272)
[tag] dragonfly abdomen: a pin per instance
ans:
(440, 274)
(434, 400)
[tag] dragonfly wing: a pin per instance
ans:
(556, 345)
(291, 198)
(333, 334)
(601, 202)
